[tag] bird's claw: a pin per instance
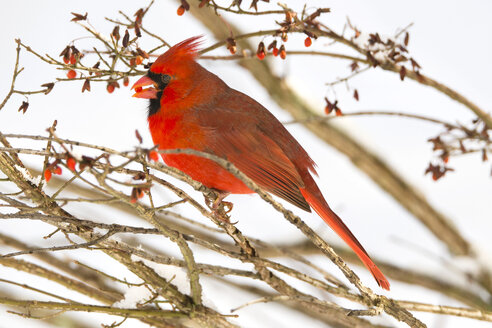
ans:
(227, 206)
(220, 208)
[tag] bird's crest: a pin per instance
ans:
(184, 51)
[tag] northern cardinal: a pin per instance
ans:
(192, 108)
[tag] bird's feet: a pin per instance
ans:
(219, 207)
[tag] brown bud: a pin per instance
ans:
(137, 30)
(354, 66)
(139, 137)
(138, 16)
(142, 53)
(126, 39)
(414, 64)
(403, 72)
(65, 51)
(116, 33)
(23, 107)
(133, 196)
(48, 86)
(78, 17)
(86, 86)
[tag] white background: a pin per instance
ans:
(450, 40)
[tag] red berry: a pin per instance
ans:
(132, 62)
(71, 74)
(140, 193)
(138, 89)
(283, 54)
(181, 11)
(126, 81)
(275, 51)
(73, 59)
(138, 60)
(47, 175)
(308, 42)
(71, 163)
(260, 52)
(338, 112)
(57, 170)
(66, 60)
(231, 45)
(110, 87)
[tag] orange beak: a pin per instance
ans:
(140, 92)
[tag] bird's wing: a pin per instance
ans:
(238, 137)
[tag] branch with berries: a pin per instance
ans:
(109, 180)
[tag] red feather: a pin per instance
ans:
(197, 110)
(184, 51)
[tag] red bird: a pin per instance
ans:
(192, 108)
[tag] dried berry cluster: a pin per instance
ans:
(389, 53)
(122, 48)
(261, 52)
(383, 50)
(54, 167)
(127, 53)
(459, 140)
(332, 106)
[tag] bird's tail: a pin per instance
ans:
(319, 204)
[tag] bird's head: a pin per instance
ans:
(174, 67)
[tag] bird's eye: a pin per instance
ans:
(165, 79)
